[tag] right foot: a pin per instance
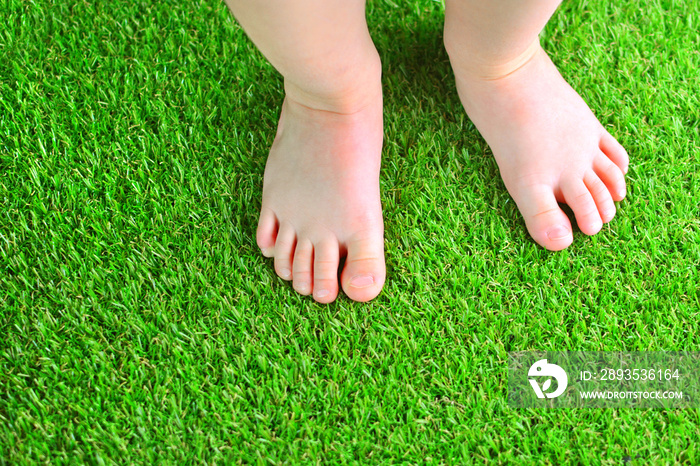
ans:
(321, 199)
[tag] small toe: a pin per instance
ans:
(364, 272)
(611, 174)
(601, 196)
(267, 232)
(547, 223)
(326, 261)
(579, 198)
(614, 151)
(302, 266)
(284, 251)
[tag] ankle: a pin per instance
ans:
(476, 66)
(343, 91)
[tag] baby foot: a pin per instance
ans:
(321, 200)
(549, 146)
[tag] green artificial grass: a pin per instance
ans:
(140, 324)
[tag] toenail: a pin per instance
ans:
(362, 281)
(267, 252)
(322, 293)
(285, 273)
(558, 232)
(302, 287)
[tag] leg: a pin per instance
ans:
(321, 188)
(549, 146)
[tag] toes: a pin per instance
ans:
(601, 196)
(284, 251)
(614, 151)
(611, 174)
(302, 266)
(326, 259)
(267, 232)
(579, 198)
(546, 222)
(364, 272)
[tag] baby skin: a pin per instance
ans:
(321, 197)
(321, 200)
(549, 146)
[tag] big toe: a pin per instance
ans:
(364, 272)
(547, 223)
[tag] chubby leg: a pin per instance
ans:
(321, 187)
(549, 146)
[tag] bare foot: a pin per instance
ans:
(321, 200)
(548, 145)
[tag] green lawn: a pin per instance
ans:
(139, 323)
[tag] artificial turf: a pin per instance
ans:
(140, 324)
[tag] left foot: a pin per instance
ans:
(549, 146)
